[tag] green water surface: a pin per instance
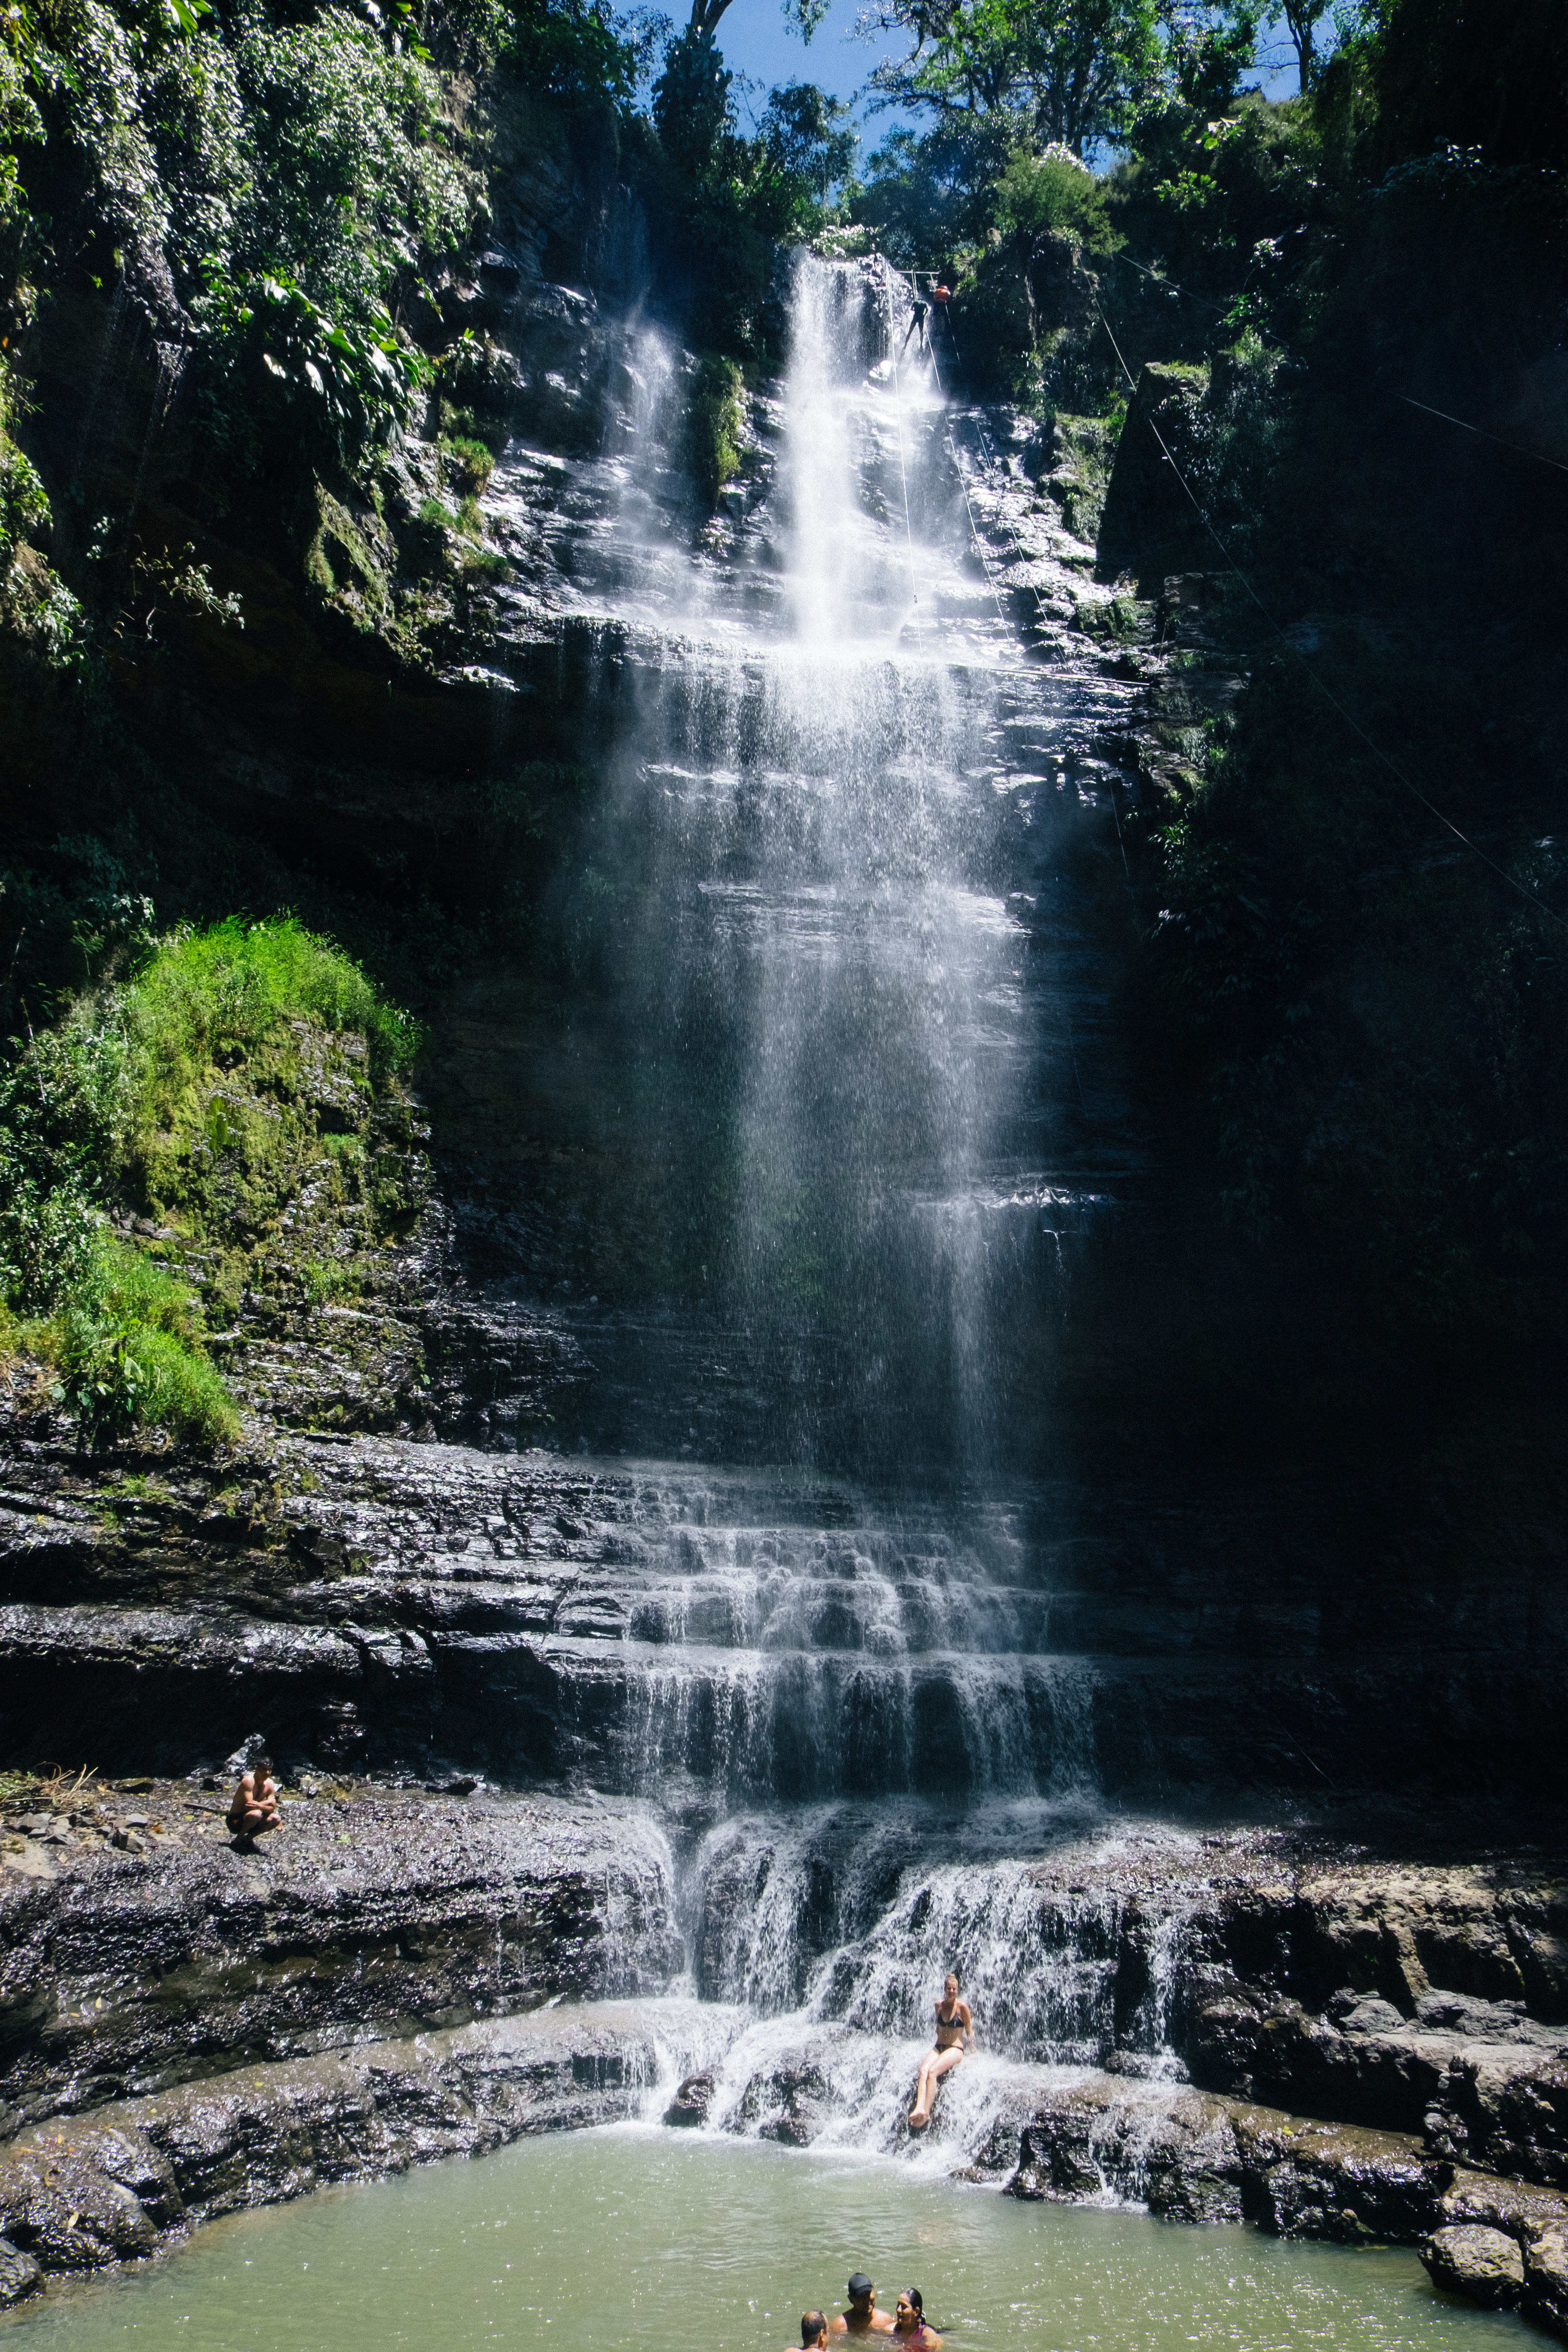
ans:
(634, 2236)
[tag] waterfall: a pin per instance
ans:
(836, 1158)
(825, 1101)
(807, 909)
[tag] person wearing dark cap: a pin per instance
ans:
(812, 2331)
(910, 2326)
(862, 2318)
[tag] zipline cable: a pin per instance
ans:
(963, 483)
(1518, 447)
(904, 479)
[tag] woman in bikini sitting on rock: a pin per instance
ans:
(954, 2033)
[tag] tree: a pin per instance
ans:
(1073, 73)
(1302, 18)
(805, 14)
(691, 101)
(806, 136)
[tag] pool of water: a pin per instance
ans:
(634, 2236)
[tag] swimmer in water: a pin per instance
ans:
(813, 2332)
(954, 2031)
(910, 2323)
(862, 2318)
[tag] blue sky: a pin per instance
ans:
(758, 43)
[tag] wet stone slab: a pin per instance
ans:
(81, 2194)
(173, 1955)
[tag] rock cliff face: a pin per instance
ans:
(758, 1720)
(377, 1603)
(127, 1971)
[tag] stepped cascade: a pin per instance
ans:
(779, 1173)
(841, 977)
(804, 1663)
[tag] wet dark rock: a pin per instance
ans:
(1416, 1999)
(789, 2103)
(1336, 2181)
(363, 1917)
(115, 2187)
(1053, 2162)
(1179, 2153)
(1484, 2266)
(1546, 2278)
(1193, 2158)
(692, 2101)
(20, 2275)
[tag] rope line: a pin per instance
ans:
(1174, 286)
(964, 484)
(1517, 446)
(909, 530)
(1354, 725)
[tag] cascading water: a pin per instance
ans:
(834, 1135)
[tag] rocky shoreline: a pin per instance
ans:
(375, 1913)
(140, 2174)
(1242, 2025)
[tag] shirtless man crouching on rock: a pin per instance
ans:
(954, 2029)
(255, 1806)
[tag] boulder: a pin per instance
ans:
(692, 2103)
(1546, 2279)
(1328, 2181)
(1056, 2161)
(790, 2102)
(1484, 2266)
(19, 2273)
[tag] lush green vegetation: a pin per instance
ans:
(1354, 1019)
(174, 1091)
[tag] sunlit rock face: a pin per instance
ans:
(720, 1546)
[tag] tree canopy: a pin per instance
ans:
(1074, 73)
